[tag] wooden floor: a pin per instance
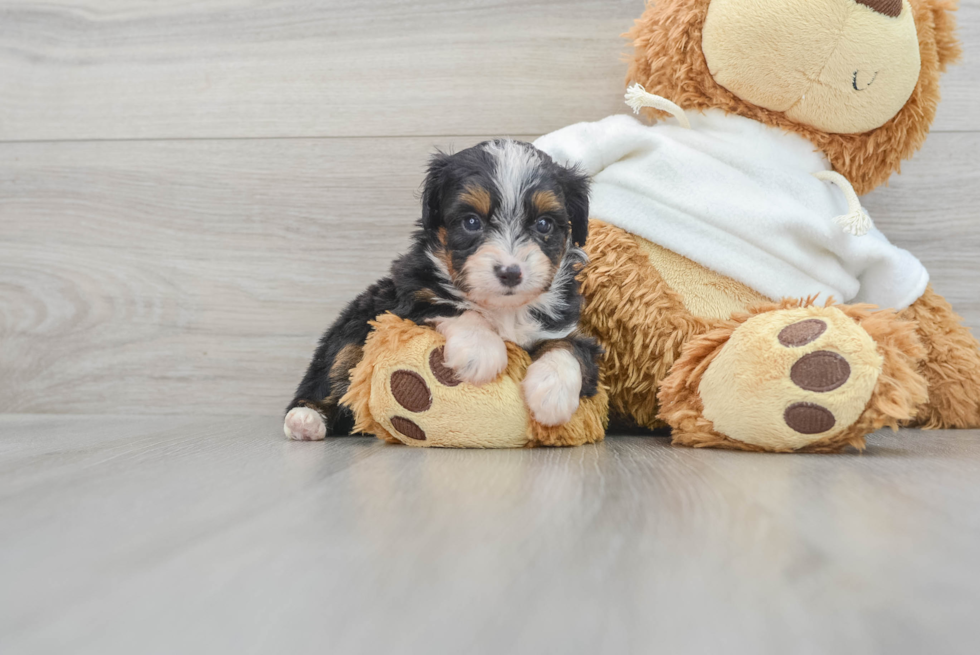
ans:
(214, 534)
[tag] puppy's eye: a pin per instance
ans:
(472, 223)
(544, 225)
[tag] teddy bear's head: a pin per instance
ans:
(859, 78)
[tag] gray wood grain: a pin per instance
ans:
(98, 69)
(164, 535)
(90, 69)
(196, 276)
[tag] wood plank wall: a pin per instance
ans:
(190, 190)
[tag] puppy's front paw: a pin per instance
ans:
(304, 424)
(473, 349)
(552, 387)
(477, 357)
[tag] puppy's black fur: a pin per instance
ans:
(477, 203)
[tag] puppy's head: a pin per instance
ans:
(501, 219)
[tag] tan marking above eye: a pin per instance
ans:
(546, 201)
(478, 198)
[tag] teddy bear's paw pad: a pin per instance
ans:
(802, 332)
(440, 371)
(304, 424)
(789, 378)
(408, 427)
(809, 418)
(411, 391)
(821, 371)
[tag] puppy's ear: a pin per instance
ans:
(575, 188)
(436, 184)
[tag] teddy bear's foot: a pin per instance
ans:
(795, 377)
(403, 391)
(304, 424)
(408, 395)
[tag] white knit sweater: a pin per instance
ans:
(739, 198)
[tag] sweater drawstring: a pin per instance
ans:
(856, 221)
(637, 97)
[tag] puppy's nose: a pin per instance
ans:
(887, 7)
(510, 276)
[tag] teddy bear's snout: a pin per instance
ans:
(841, 66)
(887, 7)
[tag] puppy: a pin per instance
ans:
(494, 259)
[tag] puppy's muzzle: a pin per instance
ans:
(510, 276)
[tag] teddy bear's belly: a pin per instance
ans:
(705, 294)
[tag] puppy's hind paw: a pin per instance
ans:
(552, 387)
(304, 424)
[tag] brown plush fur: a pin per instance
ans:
(899, 392)
(637, 318)
(951, 366)
(668, 61)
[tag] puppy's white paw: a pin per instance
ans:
(304, 424)
(476, 358)
(473, 349)
(552, 387)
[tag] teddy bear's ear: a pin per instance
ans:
(944, 24)
(575, 189)
(433, 189)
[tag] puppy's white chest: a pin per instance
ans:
(516, 326)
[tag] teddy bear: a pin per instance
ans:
(742, 295)
(717, 299)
